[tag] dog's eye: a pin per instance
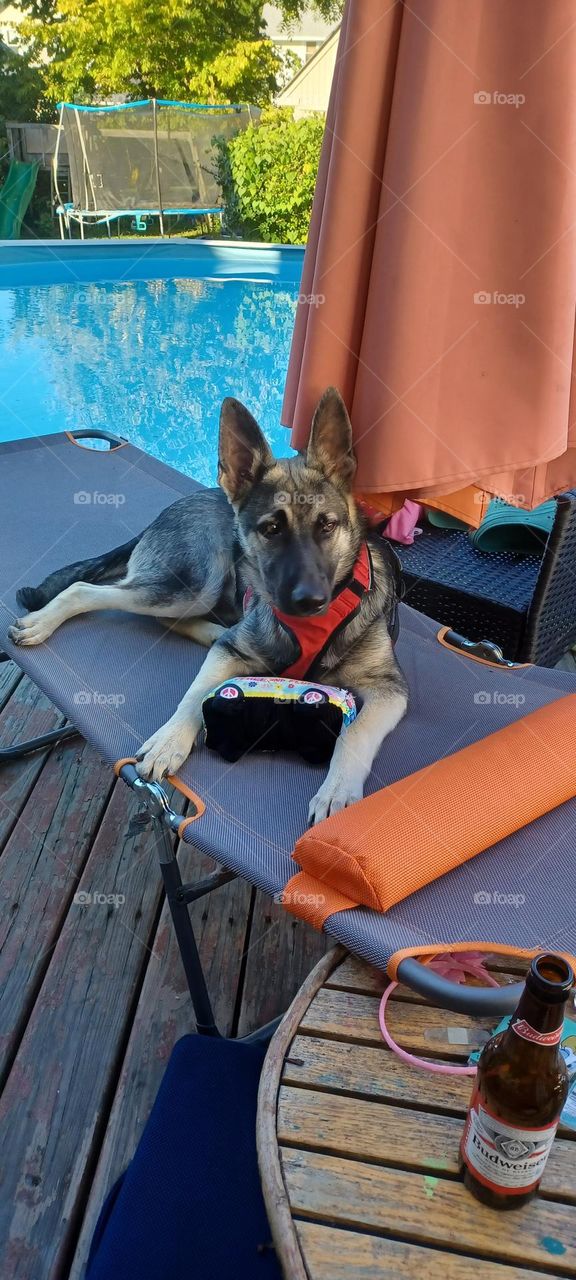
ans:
(270, 528)
(326, 524)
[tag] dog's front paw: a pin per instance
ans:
(34, 629)
(166, 750)
(336, 793)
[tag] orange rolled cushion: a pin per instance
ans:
(395, 841)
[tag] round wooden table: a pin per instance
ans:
(359, 1151)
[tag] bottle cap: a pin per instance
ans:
(551, 978)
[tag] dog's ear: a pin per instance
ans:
(330, 445)
(242, 450)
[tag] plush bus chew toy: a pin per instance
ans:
(274, 713)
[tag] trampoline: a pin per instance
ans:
(152, 158)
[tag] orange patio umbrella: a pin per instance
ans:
(439, 279)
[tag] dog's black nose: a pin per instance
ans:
(305, 600)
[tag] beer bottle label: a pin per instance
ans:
(523, 1029)
(504, 1157)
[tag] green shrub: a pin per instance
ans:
(268, 173)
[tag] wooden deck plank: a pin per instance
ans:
(164, 1013)
(419, 1028)
(397, 1136)
(27, 712)
(221, 927)
(56, 1099)
(428, 1210)
(282, 946)
(348, 1255)
(41, 867)
(10, 676)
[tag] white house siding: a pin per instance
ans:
(310, 88)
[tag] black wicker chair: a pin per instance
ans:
(526, 604)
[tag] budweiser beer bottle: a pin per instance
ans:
(519, 1092)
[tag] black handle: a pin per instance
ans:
(482, 1001)
(485, 649)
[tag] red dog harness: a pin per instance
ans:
(314, 635)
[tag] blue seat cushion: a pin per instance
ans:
(190, 1203)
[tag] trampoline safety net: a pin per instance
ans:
(152, 156)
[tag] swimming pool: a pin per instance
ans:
(144, 339)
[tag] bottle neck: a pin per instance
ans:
(536, 1021)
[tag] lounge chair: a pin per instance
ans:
(116, 678)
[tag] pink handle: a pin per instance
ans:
(454, 966)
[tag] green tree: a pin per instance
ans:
(21, 96)
(293, 10)
(141, 48)
(21, 89)
(248, 71)
(174, 49)
(137, 47)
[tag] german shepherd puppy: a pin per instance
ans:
(287, 529)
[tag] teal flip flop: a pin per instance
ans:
(508, 528)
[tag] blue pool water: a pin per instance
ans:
(149, 359)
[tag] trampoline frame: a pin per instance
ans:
(69, 212)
